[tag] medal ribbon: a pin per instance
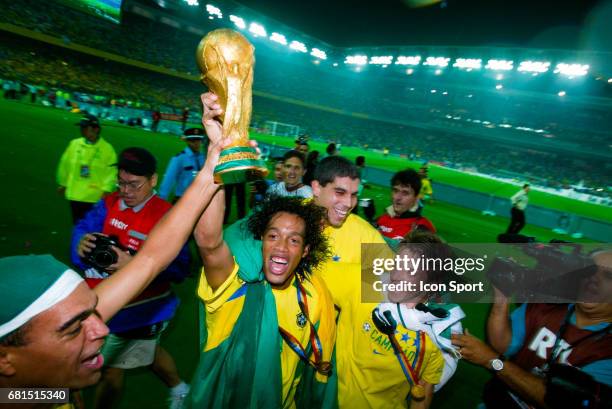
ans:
(410, 371)
(323, 367)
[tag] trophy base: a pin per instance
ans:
(239, 164)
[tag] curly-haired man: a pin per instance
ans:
(269, 337)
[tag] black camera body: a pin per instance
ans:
(556, 276)
(103, 255)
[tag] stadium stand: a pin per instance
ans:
(459, 129)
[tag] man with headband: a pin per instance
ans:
(52, 325)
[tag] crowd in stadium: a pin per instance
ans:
(167, 47)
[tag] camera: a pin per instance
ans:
(555, 277)
(103, 255)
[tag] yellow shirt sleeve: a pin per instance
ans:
(223, 307)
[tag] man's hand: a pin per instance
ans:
(87, 244)
(499, 297)
(473, 350)
(210, 117)
(123, 257)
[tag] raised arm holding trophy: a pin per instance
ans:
(226, 58)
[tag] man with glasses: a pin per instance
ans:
(128, 216)
(86, 170)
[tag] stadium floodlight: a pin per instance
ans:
(278, 38)
(322, 55)
(571, 70)
(437, 61)
(191, 2)
(214, 11)
(297, 46)
(408, 60)
(499, 86)
(381, 60)
(409, 71)
(500, 65)
(356, 59)
(609, 80)
(561, 93)
(335, 64)
(445, 93)
(534, 66)
(438, 72)
(257, 29)
(433, 91)
(499, 77)
(468, 63)
(238, 21)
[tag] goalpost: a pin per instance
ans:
(281, 129)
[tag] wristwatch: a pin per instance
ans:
(497, 364)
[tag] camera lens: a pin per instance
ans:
(105, 258)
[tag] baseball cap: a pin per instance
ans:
(193, 133)
(89, 120)
(137, 161)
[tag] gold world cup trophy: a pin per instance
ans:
(226, 58)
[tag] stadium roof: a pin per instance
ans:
(578, 24)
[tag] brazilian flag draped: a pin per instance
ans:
(244, 371)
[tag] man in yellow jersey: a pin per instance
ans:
(369, 372)
(426, 192)
(335, 187)
(270, 335)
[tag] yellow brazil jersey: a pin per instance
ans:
(369, 374)
(345, 241)
(224, 305)
(346, 245)
(426, 189)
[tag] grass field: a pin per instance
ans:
(35, 219)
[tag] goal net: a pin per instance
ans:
(281, 129)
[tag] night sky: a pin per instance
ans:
(535, 23)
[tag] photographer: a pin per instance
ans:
(104, 241)
(536, 338)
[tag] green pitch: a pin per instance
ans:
(35, 219)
